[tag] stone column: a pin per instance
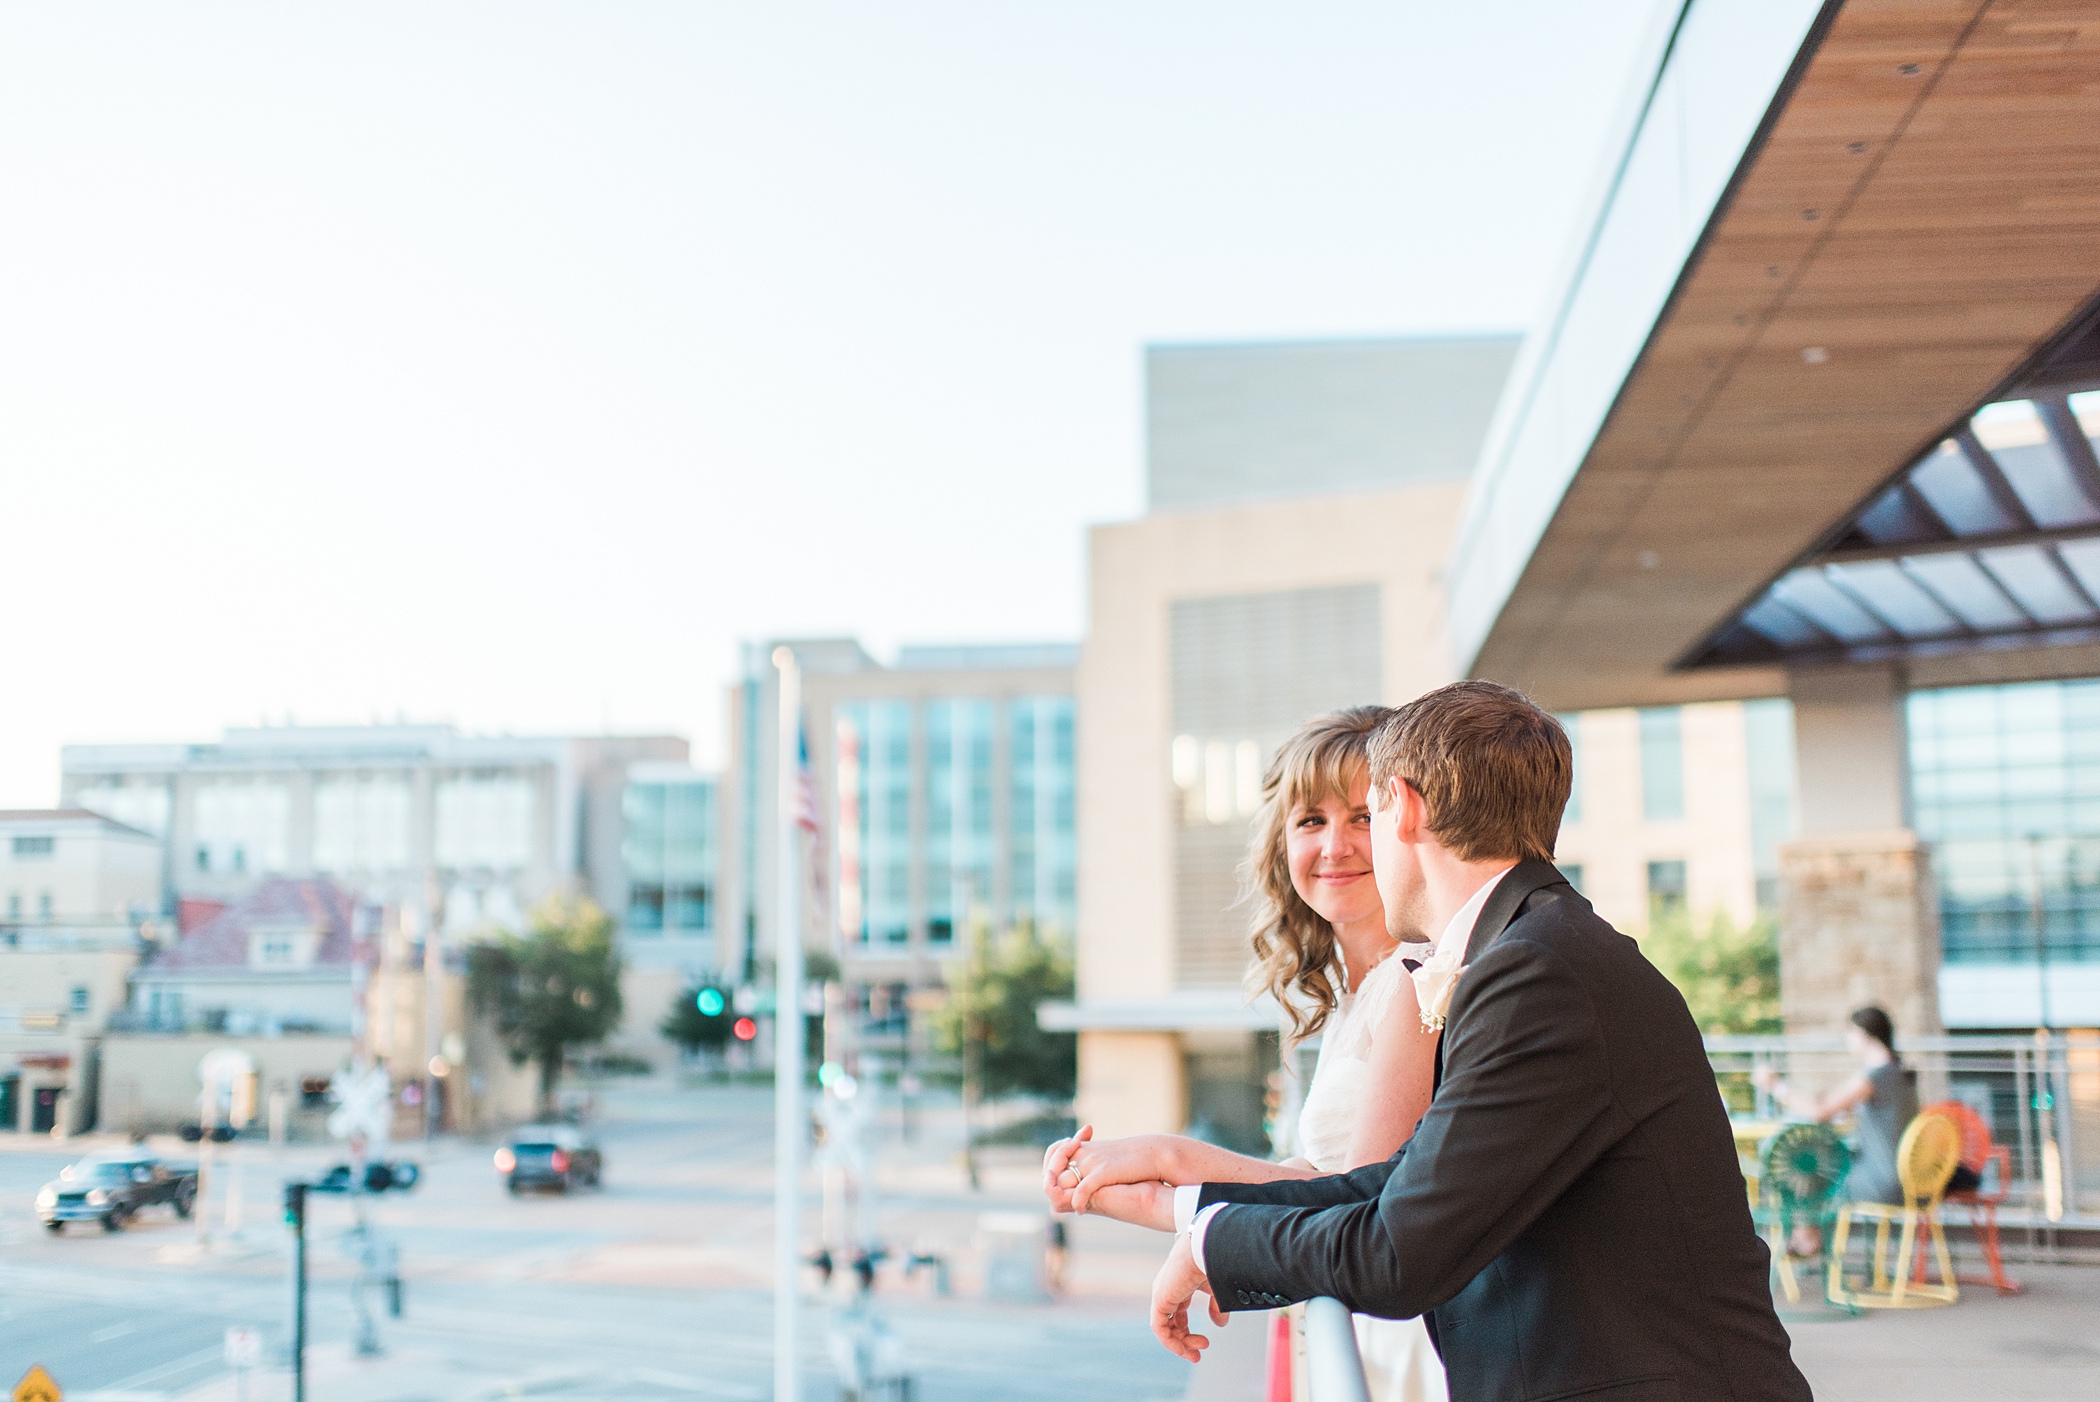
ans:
(1859, 913)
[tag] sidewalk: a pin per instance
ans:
(2043, 1346)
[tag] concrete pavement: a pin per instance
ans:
(658, 1287)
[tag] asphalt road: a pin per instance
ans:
(657, 1285)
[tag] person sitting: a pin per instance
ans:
(1884, 1096)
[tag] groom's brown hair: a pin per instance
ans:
(1493, 770)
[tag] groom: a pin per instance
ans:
(1569, 1213)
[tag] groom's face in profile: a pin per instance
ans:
(1396, 830)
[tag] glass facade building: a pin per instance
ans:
(671, 850)
(952, 808)
(2005, 784)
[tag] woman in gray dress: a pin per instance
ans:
(1884, 1096)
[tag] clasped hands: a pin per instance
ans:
(1131, 1181)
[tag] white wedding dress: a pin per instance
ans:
(1400, 1363)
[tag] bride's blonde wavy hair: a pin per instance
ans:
(1294, 947)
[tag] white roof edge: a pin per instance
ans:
(1220, 1011)
(1550, 413)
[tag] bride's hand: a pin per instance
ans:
(1057, 1175)
(1140, 1158)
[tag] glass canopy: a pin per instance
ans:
(1992, 539)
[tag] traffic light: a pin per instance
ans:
(711, 1002)
(295, 1206)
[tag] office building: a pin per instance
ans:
(401, 814)
(941, 793)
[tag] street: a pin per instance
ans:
(656, 1285)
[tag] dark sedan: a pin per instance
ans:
(549, 1156)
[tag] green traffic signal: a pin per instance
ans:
(710, 1002)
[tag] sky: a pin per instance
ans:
(508, 364)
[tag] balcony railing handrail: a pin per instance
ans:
(1825, 1042)
(1335, 1371)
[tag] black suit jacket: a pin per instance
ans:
(1569, 1212)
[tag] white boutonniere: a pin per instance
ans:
(1435, 981)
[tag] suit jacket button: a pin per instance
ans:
(1241, 1295)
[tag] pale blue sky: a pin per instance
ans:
(507, 363)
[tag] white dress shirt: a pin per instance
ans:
(1186, 1217)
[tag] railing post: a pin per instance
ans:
(1337, 1372)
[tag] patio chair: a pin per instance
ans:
(1978, 1153)
(1925, 1160)
(1803, 1166)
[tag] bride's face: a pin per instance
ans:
(1330, 855)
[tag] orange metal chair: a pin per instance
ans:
(1977, 1153)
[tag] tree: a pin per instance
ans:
(555, 987)
(699, 1019)
(1729, 977)
(989, 1019)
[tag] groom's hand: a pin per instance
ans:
(1177, 1284)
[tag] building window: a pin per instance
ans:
(670, 851)
(43, 905)
(2005, 785)
(242, 825)
(362, 821)
(1662, 764)
(874, 795)
(1666, 887)
(1768, 749)
(485, 822)
(80, 999)
(14, 905)
(1244, 672)
(33, 846)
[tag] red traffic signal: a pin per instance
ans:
(745, 1029)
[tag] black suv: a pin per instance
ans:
(549, 1156)
(111, 1188)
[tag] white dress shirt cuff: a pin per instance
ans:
(1196, 1231)
(1185, 1206)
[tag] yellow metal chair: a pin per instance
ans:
(1925, 1160)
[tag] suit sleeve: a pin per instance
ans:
(1524, 1109)
(1360, 1185)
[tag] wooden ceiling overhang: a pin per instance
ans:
(1920, 219)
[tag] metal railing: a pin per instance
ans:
(1334, 1370)
(2039, 1096)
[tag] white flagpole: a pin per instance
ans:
(787, 1037)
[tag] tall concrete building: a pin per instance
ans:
(1304, 498)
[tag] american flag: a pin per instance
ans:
(805, 788)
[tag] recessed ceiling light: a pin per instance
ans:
(1814, 355)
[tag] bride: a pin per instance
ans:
(1321, 947)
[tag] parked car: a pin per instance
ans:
(549, 1156)
(111, 1188)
